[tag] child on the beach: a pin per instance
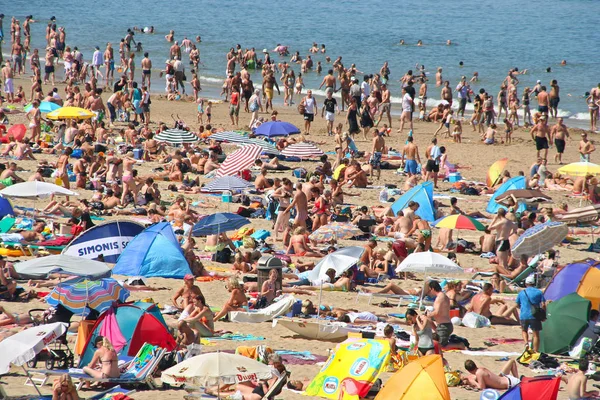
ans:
(200, 102)
(508, 130)
(457, 131)
(421, 112)
(489, 137)
(388, 333)
(208, 112)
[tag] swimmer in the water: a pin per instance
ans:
(549, 69)
(563, 62)
(401, 42)
(420, 43)
(461, 63)
(475, 77)
(448, 42)
(198, 39)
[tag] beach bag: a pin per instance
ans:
(528, 356)
(474, 320)
(301, 108)
(583, 347)
(300, 173)
(223, 256)
(452, 378)
(538, 312)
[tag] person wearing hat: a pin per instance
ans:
(529, 300)
(186, 294)
(355, 92)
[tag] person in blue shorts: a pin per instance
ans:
(411, 158)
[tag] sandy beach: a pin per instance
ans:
(472, 159)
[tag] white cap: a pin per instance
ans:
(265, 51)
(530, 280)
(539, 81)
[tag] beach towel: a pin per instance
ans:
(503, 340)
(238, 337)
(110, 330)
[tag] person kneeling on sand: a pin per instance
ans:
(483, 378)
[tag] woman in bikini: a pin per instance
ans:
(8, 318)
(61, 167)
(129, 183)
(195, 321)
(237, 300)
(300, 246)
(105, 363)
(63, 389)
(322, 210)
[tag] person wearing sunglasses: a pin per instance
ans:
(63, 389)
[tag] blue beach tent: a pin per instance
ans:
(5, 207)
(422, 194)
(518, 182)
(153, 253)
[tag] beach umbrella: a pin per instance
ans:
(36, 189)
(267, 148)
(423, 378)
(71, 113)
(218, 223)
(216, 369)
(176, 137)
(495, 171)
(335, 231)
(540, 238)
(230, 137)
(239, 160)
(302, 150)
(42, 267)
(77, 296)
(580, 169)
(428, 262)
(567, 319)
(17, 131)
(227, 184)
(45, 107)
(459, 221)
(351, 370)
(25, 345)
(528, 196)
(583, 214)
(276, 128)
(532, 388)
(340, 260)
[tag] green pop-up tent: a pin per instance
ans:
(567, 320)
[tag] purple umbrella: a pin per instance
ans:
(566, 281)
(276, 128)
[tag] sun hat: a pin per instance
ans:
(530, 280)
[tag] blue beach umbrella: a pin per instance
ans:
(276, 128)
(218, 223)
(540, 238)
(45, 107)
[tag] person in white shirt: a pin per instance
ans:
(310, 107)
(365, 88)
(407, 109)
(97, 62)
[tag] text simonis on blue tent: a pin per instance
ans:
(518, 182)
(153, 253)
(422, 194)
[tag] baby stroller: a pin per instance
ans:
(57, 354)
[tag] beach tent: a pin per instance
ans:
(5, 207)
(137, 323)
(567, 320)
(422, 376)
(534, 388)
(422, 194)
(570, 278)
(107, 239)
(153, 253)
(518, 182)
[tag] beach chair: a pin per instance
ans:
(277, 387)
(138, 372)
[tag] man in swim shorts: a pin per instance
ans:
(411, 157)
(540, 134)
(267, 87)
(7, 77)
(559, 134)
(377, 150)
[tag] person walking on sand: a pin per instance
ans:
(407, 110)
(528, 299)
(411, 157)
(310, 108)
(385, 106)
(559, 134)
(300, 202)
(146, 71)
(540, 134)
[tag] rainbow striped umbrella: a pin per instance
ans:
(79, 295)
(459, 221)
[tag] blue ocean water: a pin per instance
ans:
(489, 37)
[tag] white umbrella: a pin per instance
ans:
(212, 369)
(35, 189)
(428, 262)
(25, 345)
(340, 261)
(63, 264)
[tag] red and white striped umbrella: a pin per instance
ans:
(302, 150)
(239, 160)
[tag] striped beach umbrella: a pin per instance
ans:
(335, 231)
(230, 137)
(239, 160)
(302, 150)
(77, 295)
(267, 147)
(226, 184)
(176, 136)
(459, 222)
(540, 238)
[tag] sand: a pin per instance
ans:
(474, 159)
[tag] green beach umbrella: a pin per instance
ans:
(567, 320)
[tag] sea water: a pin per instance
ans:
(489, 37)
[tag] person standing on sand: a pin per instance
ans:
(34, 117)
(441, 312)
(554, 98)
(411, 157)
(300, 202)
(7, 77)
(559, 134)
(377, 151)
(543, 101)
(146, 71)
(504, 229)
(310, 108)
(267, 88)
(586, 148)
(527, 299)
(407, 110)
(463, 94)
(540, 134)
(385, 105)
(328, 111)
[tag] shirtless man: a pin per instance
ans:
(267, 88)
(504, 229)
(329, 81)
(553, 98)
(423, 231)
(385, 107)
(441, 311)
(10, 172)
(186, 294)
(586, 148)
(543, 101)
(559, 134)
(411, 157)
(368, 256)
(483, 378)
(146, 71)
(402, 226)
(300, 202)
(211, 164)
(540, 134)
(576, 388)
(487, 242)
(482, 301)
(7, 77)
(261, 183)
(377, 151)
(446, 92)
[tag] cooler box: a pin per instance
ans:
(295, 310)
(226, 197)
(454, 177)
(138, 153)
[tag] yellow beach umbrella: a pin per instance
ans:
(495, 171)
(580, 169)
(71, 113)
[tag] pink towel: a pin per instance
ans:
(110, 330)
